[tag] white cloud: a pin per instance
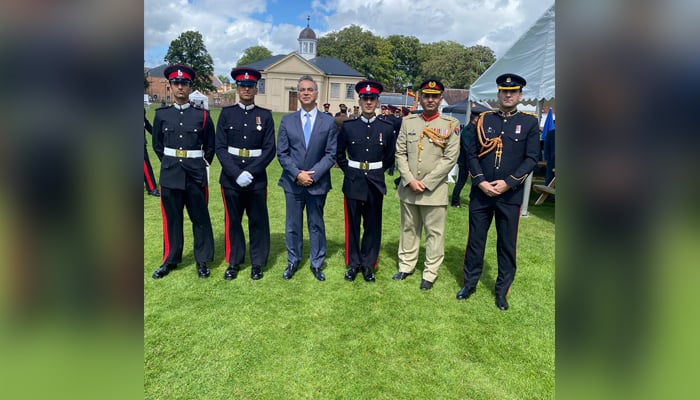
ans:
(228, 28)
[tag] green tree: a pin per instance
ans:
(189, 49)
(447, 61)
(224, 79)
(254, 54)
(368, 54)
(404, 56)
(146, 84)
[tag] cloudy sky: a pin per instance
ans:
(229, 27)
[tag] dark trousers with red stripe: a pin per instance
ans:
(363, 251)
(173, 202)
(254, 204)
(507, 217)
(148, 176)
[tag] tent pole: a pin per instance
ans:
(528, 181)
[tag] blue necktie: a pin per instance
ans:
(307, 129)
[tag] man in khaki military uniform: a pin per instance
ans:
(427, 148)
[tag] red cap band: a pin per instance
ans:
(179, 74)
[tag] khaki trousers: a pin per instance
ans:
(414, 219)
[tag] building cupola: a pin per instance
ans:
(307, 42)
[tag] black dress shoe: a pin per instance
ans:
(154, 192)
(318, 274)
(465, 292)
(368, 274)
(231, 272)
(350, 274)
(163, 270)
(202, 270)
(399, 276)
(256, 272)
(425, 285)
(289, 271)
(501, 302)
(456, 206)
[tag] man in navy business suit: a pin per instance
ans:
(306, 146)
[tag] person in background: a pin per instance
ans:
(183, 140)
(148, 176)
(341, 116)
(343, 110)
(355, 112)
(365, 151)
(389, 117)
(426, 150)
(245, 146)
(503, 154)
(468, 133)
(306, 147)
(326, 108)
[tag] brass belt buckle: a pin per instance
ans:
(364, 165)
(244, 152)
(181, 153)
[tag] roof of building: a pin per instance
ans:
(329, 65)
(307, 33)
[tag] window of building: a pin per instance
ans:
(261, 86)
(305, 47)
(335, 90)
(349, 91)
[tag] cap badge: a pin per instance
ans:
(368, 88)
(508, 79)
(179, 72)
(431, 84)
(245, 76)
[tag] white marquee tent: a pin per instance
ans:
(532, 57)
(198, 98)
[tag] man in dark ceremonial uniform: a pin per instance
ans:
(183, 140)
(365, 150)
(388, 116)
(148, 176)
(500, 158)
(245, 146)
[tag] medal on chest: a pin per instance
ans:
(258, 122)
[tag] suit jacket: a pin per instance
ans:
(251, 129)
(293, 155)
(418, 158)
(187, 129)
(365, 141)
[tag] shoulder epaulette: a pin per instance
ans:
(162, 108)
(411, 116)
(263, 108)
(529, 113)
(448, 118)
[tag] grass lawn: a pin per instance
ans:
(304, 339)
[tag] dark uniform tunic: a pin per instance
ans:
(148, 176)
(184, 180)
(245, 141)
(396, 122)
(519, 135)
(465, 136)
(371, 144)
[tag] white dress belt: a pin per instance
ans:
(364, 165)
(183, 153)
(244, 152)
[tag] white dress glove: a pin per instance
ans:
(244, 179)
